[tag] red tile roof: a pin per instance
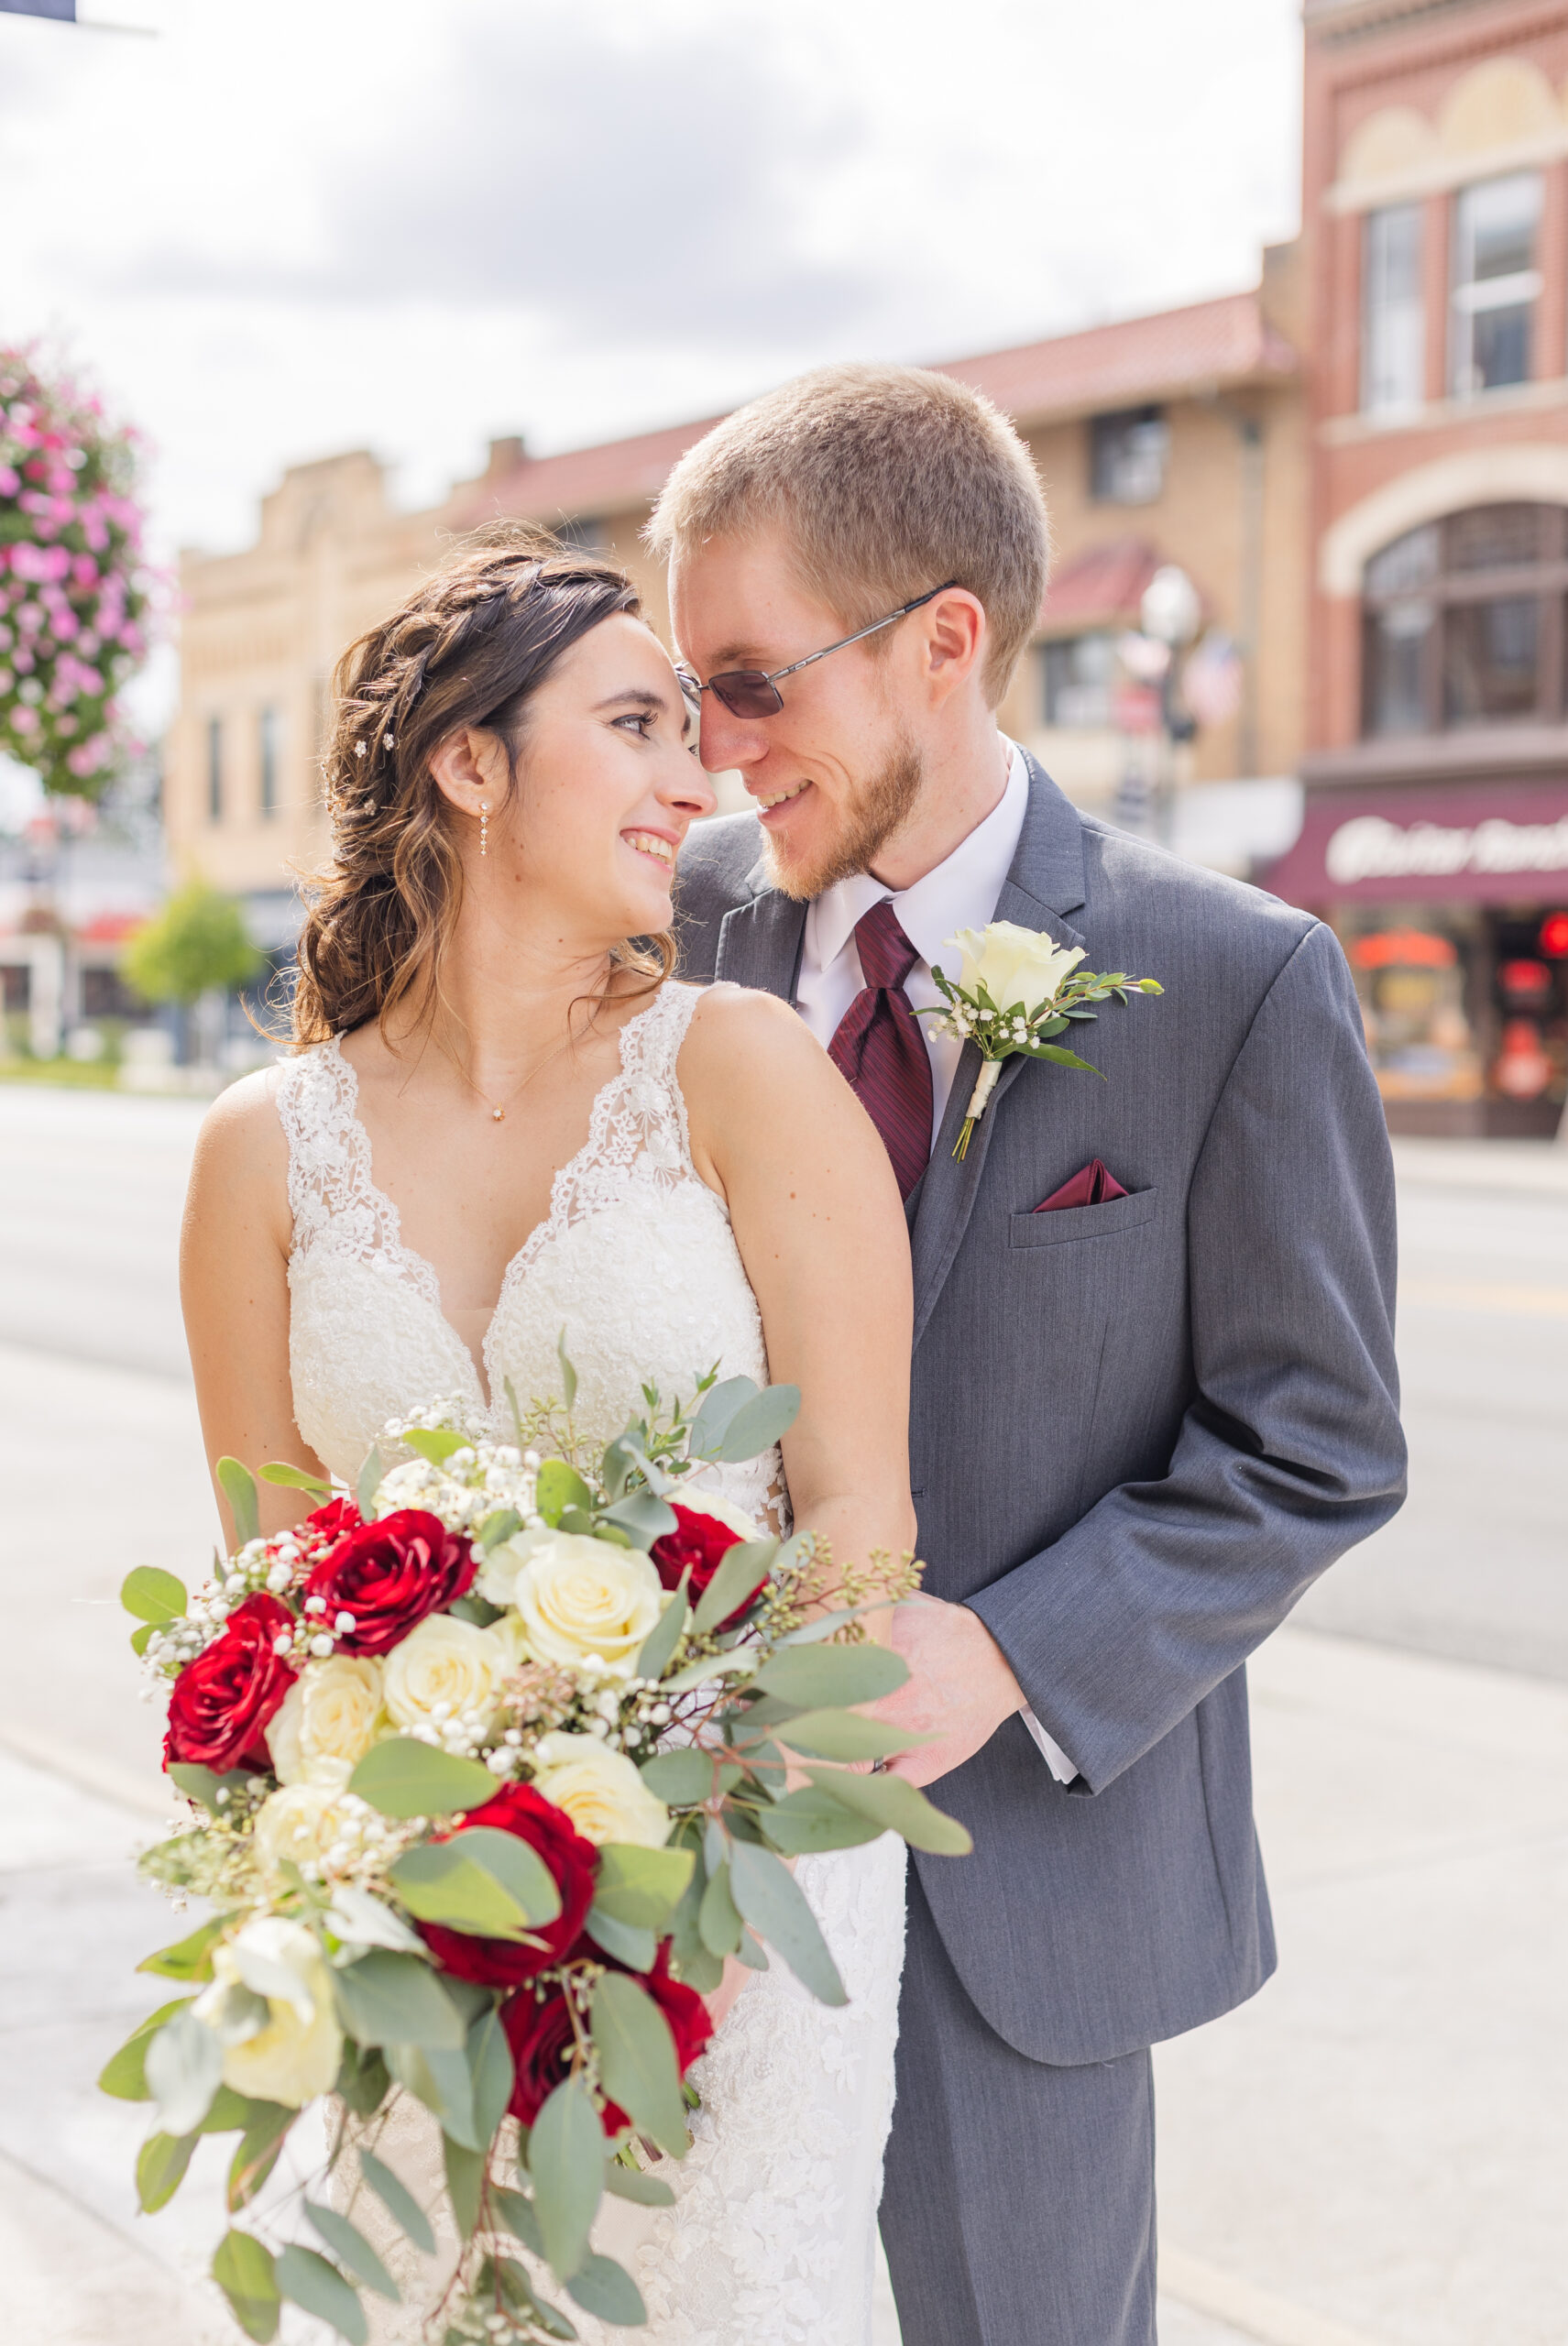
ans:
(1208, 344)
(1103, 583)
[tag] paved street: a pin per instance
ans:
(1368, 2154)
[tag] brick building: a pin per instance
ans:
(1176, 438)
(1435, 243)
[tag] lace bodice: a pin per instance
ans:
(636, 1262)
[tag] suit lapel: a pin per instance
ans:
(1045, 882)
(760, 943)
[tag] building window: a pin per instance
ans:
(1078, 675)
(1393, 318)
(1496, 283)
(214, 769)
(267, 745)
(1127, 455)
(1463, 623)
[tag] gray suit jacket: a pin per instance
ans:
(1139, 1430)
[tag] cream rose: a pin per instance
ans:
(299, 1823)
(586, 1604)
(599, 1790)
(332, 1711)
(451, 1662)
(500, 1565)
(1013, 964)
(289, 2052)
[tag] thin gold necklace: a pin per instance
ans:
(499, 1112)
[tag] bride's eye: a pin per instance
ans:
(642, 720)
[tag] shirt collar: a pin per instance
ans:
(960, 893)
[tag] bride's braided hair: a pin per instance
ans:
(467, 649)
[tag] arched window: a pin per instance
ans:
(1463, 623)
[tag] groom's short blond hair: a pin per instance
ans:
(885, 481)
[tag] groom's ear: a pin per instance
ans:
(952, 642)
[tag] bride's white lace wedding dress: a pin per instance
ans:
(771, 2240)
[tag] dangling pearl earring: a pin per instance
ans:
(484, 828)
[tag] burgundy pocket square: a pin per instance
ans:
(1091, 1187)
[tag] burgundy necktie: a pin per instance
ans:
(880, 1050)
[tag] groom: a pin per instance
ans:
(1154, 1385)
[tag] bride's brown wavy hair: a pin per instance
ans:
(470, 648)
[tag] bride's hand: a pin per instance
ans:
(719, 2003)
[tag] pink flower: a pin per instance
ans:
(24, 720)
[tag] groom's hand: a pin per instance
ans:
(958, 1691)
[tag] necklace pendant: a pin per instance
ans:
(498, 1116)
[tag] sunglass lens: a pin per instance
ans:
(746, 692)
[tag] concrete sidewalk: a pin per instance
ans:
(1371, 2153)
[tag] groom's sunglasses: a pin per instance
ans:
(748, 691)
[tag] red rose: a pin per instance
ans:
(389, 1575)
(699, 1543)
(540, 2035)
(222, 1700)
(572, 1864)
(334, 1519)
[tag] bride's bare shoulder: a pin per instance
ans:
(736, 1030)
(242, 1136)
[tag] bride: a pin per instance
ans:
(504, 1120)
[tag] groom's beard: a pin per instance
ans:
(865, 826)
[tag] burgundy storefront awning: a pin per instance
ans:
(1487, 843)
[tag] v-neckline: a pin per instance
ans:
(425, 1275)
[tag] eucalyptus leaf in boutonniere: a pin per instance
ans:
(1015, 990)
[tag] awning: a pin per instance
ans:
(1488, 844)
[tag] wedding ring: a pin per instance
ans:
(879, 1767)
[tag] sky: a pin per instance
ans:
(282, 228)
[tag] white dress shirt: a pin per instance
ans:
(961, 893)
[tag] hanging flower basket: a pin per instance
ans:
(73, 590)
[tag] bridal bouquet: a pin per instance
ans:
(488, 1770)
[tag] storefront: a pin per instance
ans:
(1452, 905)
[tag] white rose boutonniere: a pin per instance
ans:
(1014, 990)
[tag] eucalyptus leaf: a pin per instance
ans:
(443, 2082)
(644, 1517)
(256, 2153)
(519, 2215)
(123, 2074)
(847, 1735)
(741, 1570)
(201, 1785)
(363, 2079)
(641, 1886)
(631, 2183)
(721, 1405)
(437, 1443)
(447, 1882)
(185, 2068)
(769, 1897)
(490, 2067)
(141, 1639)
(897, 1806)
(154, 1596)
(606, 2288)
(242, 2268)
(504, 1524)
(464, 2180)
(718, 1918)
(568, 1374)
(806, 1820)
(403, 1777)
(758, 1424)
(390, 1999)
(559, 1487)
(566, 2158)
(293, 1478)
(238, 1486)
(626, 1942)
(350, 2247)
(190, 1958)
(680, 1777)
(752, 1952)
(398, 2200)
(369, 1483)
(161, 2169)
(637, 2063)
(308, 2280)
(658, 1647)
(360, 1920)
(820, 1676)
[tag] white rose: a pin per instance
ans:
(332, 1711)
(586, 1604)
(299, 1823)
(500, 1565)
(599, 1790)
(289, 2053)
(447, 1660)
(1014, 964)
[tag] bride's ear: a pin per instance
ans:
(470, 770)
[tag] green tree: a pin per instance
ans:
(197, 944)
